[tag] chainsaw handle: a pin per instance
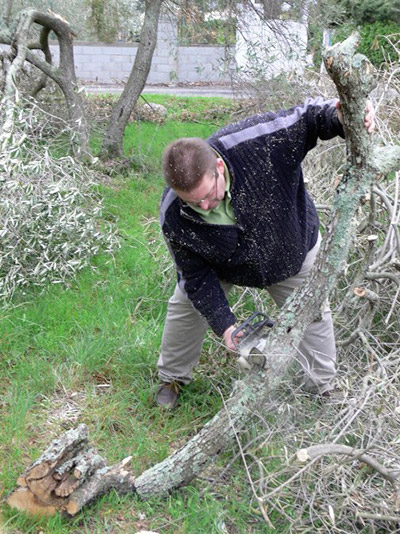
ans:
(250, 326)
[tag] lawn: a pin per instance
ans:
(87, 354)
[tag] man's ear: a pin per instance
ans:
(221, 165)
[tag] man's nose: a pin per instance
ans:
(205, 205)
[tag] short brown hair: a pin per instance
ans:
(186, 161)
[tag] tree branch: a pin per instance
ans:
(316, 451)
(44, 46)
(64, 75)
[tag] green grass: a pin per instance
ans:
(187, 117)
(145, 141)
(87, 354)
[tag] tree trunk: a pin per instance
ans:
(43, 45)
(353, 77)
(112, 144)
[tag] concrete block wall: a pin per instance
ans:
(163, 65)
(202, 63)
(112, 63)
(102, 63)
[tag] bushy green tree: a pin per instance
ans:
(104, 20)
(372, 11)
(374, 19)
(90, 20)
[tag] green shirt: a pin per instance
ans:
(223, 213)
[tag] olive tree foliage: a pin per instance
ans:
(51, 216)
(215, 22)
(205, 22)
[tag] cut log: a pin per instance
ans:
(59, 472)
(103, 480)
(364, 293)
(87, 463)
(82, 467)
(61, 469)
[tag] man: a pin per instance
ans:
(235, 211)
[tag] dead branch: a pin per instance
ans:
(365, 293)
(365, 412)
(310, 453)
(379, 517)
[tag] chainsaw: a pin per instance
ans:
(249, 340)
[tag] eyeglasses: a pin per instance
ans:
(208, 195)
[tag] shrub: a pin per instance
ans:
(50, 213)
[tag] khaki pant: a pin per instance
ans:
(185, 329)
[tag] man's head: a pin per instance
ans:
(194, 171)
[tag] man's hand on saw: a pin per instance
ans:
(228, 338)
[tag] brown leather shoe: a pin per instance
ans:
(168, 394)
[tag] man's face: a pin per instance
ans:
(210, 191)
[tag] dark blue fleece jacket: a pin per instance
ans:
(277, 222)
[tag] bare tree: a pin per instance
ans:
(112, 144)
(64, 478)
(64, 75)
